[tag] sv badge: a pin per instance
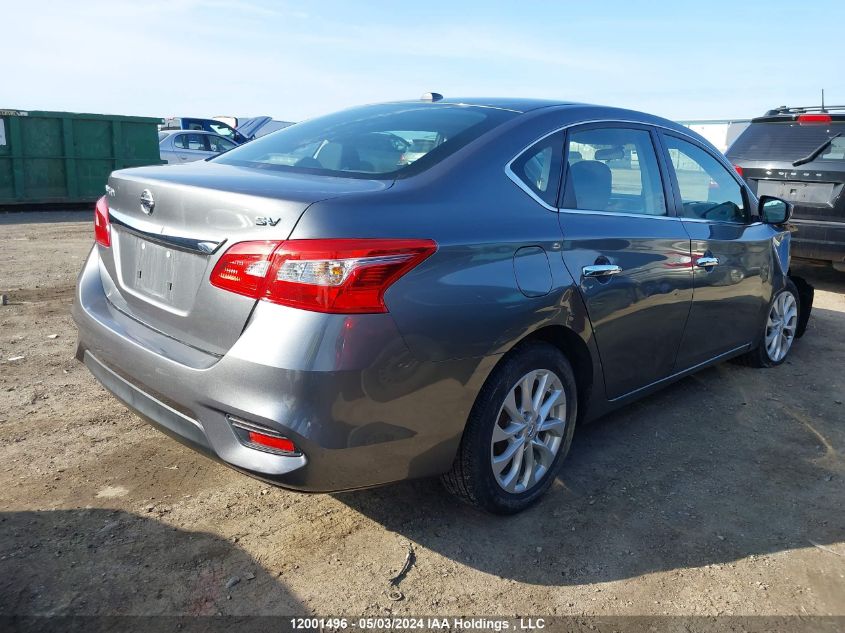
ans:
(267, 221)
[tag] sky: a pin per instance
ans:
(296, 60)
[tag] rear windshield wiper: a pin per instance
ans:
(815, 153)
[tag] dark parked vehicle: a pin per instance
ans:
(798, 154)
(319, 317)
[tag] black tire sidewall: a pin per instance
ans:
(484, 416)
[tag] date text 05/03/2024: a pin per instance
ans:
(420, 624)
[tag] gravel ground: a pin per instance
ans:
(723, 494)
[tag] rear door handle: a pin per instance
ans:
(601, 270)
(707, 262)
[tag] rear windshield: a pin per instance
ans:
(788, 141)
(380, 141)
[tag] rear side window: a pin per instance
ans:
(614, 169)
(538, 168)
(788, 141)
(379, 141)
(708, 190)
(190, 141)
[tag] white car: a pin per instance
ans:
(185, 146)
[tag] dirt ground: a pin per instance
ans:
(723, 494)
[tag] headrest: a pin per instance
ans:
(610, 153)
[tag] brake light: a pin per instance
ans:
(738, 169)
(243, 268)
(102, 227)
(342, 276)
(814, 118)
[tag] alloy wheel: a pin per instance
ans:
(781, 325)
(529, 431)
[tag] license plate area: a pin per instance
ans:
(155, 271)
(813, 192)
(160, 274)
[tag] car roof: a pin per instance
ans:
(524, 105)
(514, 104)
(171, 132)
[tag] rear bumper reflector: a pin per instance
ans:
(262, 438)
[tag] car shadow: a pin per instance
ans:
(96, 562)
(715, 468)
(46, 214)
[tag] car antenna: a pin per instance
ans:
(823, 110)
(431, 96)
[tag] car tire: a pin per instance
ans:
(545, 440)
(762, 355)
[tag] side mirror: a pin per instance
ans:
(774, 210)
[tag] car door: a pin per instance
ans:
(627, 251)
(731, 252)
(165, 147)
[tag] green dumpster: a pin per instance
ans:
(67, 157)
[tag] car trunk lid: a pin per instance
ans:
(163, 250)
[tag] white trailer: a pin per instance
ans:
(720, 132)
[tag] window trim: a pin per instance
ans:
(655, 128)
(518, 181)
(525, 186)
(752, 218)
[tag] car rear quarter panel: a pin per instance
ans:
(464, 302)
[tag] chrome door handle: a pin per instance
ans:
(601, 270)
(707, 262)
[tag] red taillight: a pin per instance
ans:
(102, 229)
(243, 268)
(278, 443)
(738, 169)
(814, 118)
(343, 276)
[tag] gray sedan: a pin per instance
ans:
(185, 146)
(316, 310)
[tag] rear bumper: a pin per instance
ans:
(819, 240)
(345, 389)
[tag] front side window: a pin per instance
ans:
(614, 169)
(379, 141)
(538, 168)
(220, 144)
(708, 190)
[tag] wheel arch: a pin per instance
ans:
(576, 351)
